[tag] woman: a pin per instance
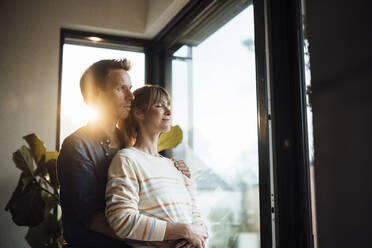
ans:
(147, 198)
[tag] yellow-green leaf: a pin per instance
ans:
(37, 147)
(50, 155)
(170, 139)
(51, 166)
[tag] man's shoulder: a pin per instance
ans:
(79, 141)
(83, 134)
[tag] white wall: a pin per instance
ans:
(159, 12)
(29, 56)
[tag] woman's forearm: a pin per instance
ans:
(176, 231)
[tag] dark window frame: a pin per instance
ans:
(289, 122)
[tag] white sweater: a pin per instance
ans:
(143, 193)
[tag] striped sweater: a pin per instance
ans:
(144, 192)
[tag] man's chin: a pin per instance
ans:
(124, 115)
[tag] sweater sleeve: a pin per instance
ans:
(122, 197)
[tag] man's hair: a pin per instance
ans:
(95, 76)
(144, 98)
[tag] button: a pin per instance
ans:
(106, 154)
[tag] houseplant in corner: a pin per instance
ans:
(35, 201)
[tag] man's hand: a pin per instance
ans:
(181, 166)
(163, 244)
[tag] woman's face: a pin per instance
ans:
(159, 116)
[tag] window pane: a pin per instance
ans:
(219, 118)
(181, 52)
(76, 58)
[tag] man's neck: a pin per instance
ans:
(108, 126)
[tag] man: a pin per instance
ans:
(86, 155)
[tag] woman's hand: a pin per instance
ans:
(196, 235)
(182, 167)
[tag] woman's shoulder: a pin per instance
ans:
(129, 152)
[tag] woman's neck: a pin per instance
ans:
(147, 142)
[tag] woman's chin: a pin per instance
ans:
(166, 129)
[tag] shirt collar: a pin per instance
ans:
(102, 137)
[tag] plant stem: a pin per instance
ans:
(47, 191)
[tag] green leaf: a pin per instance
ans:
(50, 201)
(170, 139)
(51, 166)
(38, 236)
(37, 146)
(53, 226)
(26, 180)
(50, 155)
(23, 160)
(26, 206)
(41, 171)
(42, 234)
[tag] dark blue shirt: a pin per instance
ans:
(82, 172)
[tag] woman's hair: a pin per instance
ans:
(144, 98)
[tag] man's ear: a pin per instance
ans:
(138, 114)
(93, 93)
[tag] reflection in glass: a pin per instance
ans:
(214, 101)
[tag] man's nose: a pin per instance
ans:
(129, 96)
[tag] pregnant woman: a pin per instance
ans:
(147, 198)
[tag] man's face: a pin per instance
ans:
(116, 98)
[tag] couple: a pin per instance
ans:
(141, 199)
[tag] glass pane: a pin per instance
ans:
(74, 112)
(180, 101)
(214, 101)
(181, 52)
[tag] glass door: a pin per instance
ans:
(214, 102)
